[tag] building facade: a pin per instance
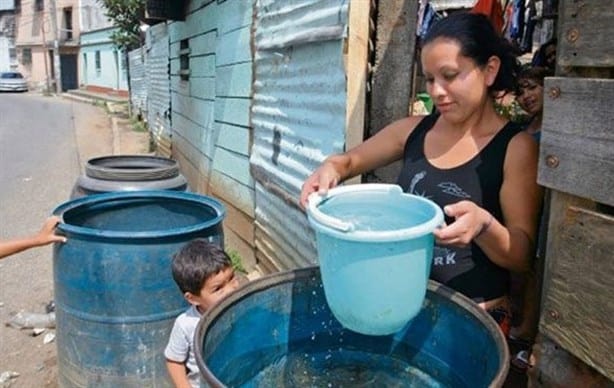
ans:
(7, 35)
(102, 68)
(42, 26)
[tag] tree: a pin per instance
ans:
(126, 16)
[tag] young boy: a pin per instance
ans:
(204, 274)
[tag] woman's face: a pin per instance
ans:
(530, 96)
(457, 85)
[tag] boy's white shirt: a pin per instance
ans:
(180, 347)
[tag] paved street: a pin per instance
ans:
(44, 142)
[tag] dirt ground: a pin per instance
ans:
(97, 133)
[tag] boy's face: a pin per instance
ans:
(214, 289)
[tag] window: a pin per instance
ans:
(97, 60)
(67, 22)
(184, 59)
(17, 6)
(26, 56)
(39, 5)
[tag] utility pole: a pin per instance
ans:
(56, 46)
(45, 55)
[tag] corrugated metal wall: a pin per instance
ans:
(138, 83)
(158, 87)
(298, 118)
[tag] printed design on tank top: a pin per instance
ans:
(453, 189)
(443, 256)
(414, 181)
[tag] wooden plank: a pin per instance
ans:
(198, 111)
(234, 47)
(555, 367)
(586, 30)
(233, 110)
(233, 137)
(357, 62)
(241, 196)
(578, 306)
(234, 165)
(234, 80)
(577, 145)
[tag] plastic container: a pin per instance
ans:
(129, 173)
(375, 248)
(277, 331)
(115, 298)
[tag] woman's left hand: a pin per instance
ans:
(470, 220)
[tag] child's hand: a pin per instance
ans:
(47, 233)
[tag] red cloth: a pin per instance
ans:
(492, 9)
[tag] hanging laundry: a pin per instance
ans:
(492, 9)
(430, 16)
(530, 17)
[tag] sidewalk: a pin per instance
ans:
(104, 128)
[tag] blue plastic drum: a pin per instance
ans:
(375, 248)
(278, 331)
(115, 297)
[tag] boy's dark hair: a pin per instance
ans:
(195, 262)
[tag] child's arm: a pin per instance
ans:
(45, 236)
(178, 374)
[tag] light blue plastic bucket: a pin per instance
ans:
(375, 247)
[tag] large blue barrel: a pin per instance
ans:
(115, 297)
(278, 331)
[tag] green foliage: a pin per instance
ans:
(235, 258)
(138, 125)
(511, 110)
(126, 16)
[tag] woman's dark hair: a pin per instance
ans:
(539, 58)
(479, 41)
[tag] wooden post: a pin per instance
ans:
(575, 342)
(392, 77)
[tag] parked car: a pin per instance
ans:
(12, 81)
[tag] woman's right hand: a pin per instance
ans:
(324, 178)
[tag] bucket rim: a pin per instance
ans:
(62, 226)
(279, 278)
(345, 231)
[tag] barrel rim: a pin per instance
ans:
(279, 278)
(62, 226)
(135, 167)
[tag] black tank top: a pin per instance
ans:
(467, 270)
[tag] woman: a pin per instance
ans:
(477, 166)
(530, 97)
(525, 286)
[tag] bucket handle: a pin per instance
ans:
(314, 200)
